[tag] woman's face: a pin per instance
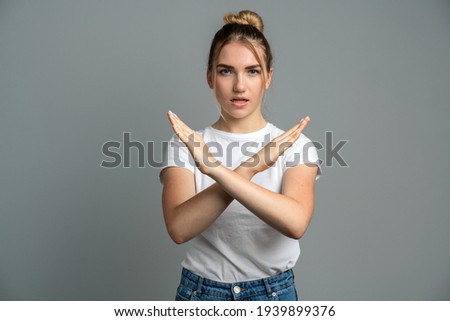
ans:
(239, 84)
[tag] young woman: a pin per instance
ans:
(241, 190)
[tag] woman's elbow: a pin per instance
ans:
(176, 236)
(297, 233)
(172, 227)
(298, 230)
(178, 240)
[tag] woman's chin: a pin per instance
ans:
(238, 113)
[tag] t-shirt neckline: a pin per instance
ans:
(241, 136)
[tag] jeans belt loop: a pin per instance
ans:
(199, 285)
(268, 288)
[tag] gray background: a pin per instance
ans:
(76, 74)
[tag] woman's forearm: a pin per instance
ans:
(282, 212)
(193, 216)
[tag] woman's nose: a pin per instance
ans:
(239, 85)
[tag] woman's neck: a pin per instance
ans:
(240, 126)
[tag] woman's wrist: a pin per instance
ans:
(216, 172)
(246, 171)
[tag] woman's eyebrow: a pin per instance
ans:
(225, 66)
(253, 67)
(231, 67)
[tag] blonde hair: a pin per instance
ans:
(245, 17)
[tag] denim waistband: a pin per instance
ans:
(270, 284)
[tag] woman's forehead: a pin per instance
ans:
(237, 54)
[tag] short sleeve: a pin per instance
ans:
(303, 151)
(176, 154)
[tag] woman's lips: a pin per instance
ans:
(239, 102)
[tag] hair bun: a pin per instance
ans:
(245, 17)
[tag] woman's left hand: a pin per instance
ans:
(195, 144)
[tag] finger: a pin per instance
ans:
(181, 124)
(303, 125)
(294, 135)
(295, 127)
(176, 126)
(171, 117)
(180, 133)
(184, 132)
(175, 121)
(289, 132)
(297, 124)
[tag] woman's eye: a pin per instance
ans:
(224, 71)
(254, 72)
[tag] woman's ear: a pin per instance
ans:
(209, 79)
(269, 78)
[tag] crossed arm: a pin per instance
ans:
(187, 213)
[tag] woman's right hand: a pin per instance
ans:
(203, 159)
(268, 155)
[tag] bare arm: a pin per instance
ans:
(187, 214)
(289, 212)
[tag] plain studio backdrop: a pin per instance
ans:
(75, 75)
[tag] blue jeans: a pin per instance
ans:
(280, 287)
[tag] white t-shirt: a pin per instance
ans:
(239, 246)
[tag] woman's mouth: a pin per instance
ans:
(239, 102)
